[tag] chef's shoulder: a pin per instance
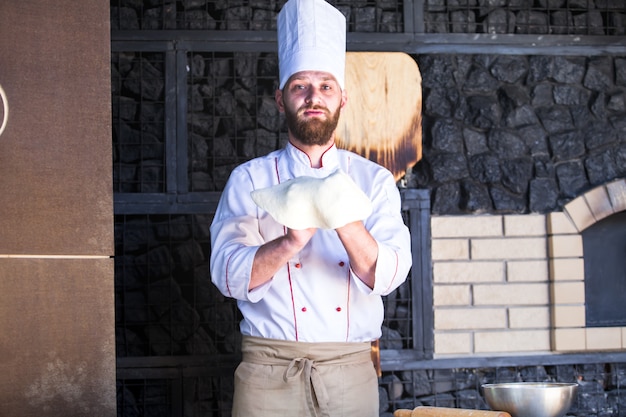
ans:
(362, 167)
(260, 171)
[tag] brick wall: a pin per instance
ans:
(515, 283)
(491, 287)
(567, 270)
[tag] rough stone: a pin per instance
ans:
(601, 167)
(446, 199)
(555, 119)
(512, 96)
(483, 111)
(535, 138)
(544, 168)
(479, 80)
(365, 19)
(448, 167)
(486, 5)
(541, 95)
(531, 22)
(582, 116)
(509, 69)
(516, 173)
(589, 23)
(567, 145)
(543, 195)
(506, 144)
(599, 75)
(437, 71)
(447, 136)
(507, 202)
(485, 168)
(568, 70)
(540, 68)
(463, 21)
(475, 198)
(572, 178)
(617, 102)
(500, 21)
(521, 116)
(598, 105)
(598, 135)
(619, 123)
(438, 104)
(420, 382)
(561, 22)
(620, 71)
(437, 23)
(475, 141)
(570, 95)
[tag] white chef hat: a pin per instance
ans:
(311, 37)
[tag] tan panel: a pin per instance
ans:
(55, 154)
(57, 351)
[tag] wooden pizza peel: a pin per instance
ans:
(382, 120)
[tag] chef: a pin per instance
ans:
(308, 239)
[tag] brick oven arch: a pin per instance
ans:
(567, 275)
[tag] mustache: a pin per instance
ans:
(314, 107)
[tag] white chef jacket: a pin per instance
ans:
(315, 297)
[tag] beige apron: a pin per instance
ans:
(297, 379)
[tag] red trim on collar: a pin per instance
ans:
(324, 153)
(307, 155)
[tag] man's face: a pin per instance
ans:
(312, 103)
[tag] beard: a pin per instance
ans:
(312, 131)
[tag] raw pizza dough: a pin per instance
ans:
(305, 202)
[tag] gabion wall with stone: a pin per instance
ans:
(556, 17)
(600, 387)
(519, 134)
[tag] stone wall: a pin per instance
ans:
(519, 134)
(600, 386)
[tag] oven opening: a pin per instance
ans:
(604, 246)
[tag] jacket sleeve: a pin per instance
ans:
(387, 227)
(235, 238)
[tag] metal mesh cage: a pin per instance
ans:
(545, 17)
(231, 114)
(166, 304)
(599, 386)
(254, 15)
(144, 397)
(138, 110)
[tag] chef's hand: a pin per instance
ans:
(300, 237)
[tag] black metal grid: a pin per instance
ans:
(231, 114)
(542, 17)
(166, 304)
(246, 15)
(145, 397)
(138, 117)
(399, 329)
(599, 390)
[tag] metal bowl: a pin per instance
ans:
(531, 399)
